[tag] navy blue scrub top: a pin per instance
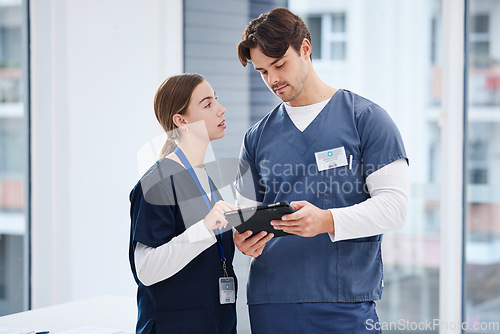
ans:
(278, 164)
(164, 203)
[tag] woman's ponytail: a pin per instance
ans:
(171, 98)
(168, 147)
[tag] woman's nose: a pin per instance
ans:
(221, 110)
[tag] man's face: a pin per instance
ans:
(285, 76)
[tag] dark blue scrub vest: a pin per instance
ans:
(282, 164)
(164, 203)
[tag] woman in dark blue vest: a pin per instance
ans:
(180, 249)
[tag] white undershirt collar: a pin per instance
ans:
(304, 115)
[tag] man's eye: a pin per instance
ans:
(280, 66)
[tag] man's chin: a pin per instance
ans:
(282, 97)
(285, 99)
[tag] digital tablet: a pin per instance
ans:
(258, 218)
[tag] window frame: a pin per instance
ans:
(328, 36)
(26, 62)
(452, 121)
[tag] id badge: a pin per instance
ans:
(333, 158)
(227, 293)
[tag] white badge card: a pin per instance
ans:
(333, 158)
(227, 293)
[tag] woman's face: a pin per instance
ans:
(205, 116)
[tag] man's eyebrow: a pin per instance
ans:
(274, 62)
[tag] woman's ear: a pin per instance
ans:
(179, 121)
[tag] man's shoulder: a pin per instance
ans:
(256, 130)
(359, 104)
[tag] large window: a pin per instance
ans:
(482, 261)
(13, 160)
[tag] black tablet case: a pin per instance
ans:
(258, 218)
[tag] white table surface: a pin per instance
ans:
(113, 312)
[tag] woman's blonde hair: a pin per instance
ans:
(173, 97)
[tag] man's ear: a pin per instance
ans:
(306, 48)
(179, 120)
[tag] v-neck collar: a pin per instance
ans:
(302, 140)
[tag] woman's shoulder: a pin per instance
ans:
(162, 169)
(157, 179)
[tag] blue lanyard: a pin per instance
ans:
(187, 164)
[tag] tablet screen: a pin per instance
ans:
(259, 218)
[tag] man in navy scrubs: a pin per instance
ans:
(340, 160)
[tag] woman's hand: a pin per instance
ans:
(215, 218)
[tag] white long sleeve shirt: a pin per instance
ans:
(384, 211)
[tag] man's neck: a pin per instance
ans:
(315, 90)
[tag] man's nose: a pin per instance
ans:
(272, 78)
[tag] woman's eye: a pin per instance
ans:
(208, 105)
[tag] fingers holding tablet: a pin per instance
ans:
(250, 244)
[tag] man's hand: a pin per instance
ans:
(252, 246)
(307, 221)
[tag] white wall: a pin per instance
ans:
(95, 68)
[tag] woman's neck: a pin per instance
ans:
(194, 150)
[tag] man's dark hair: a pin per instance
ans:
(273, 33)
